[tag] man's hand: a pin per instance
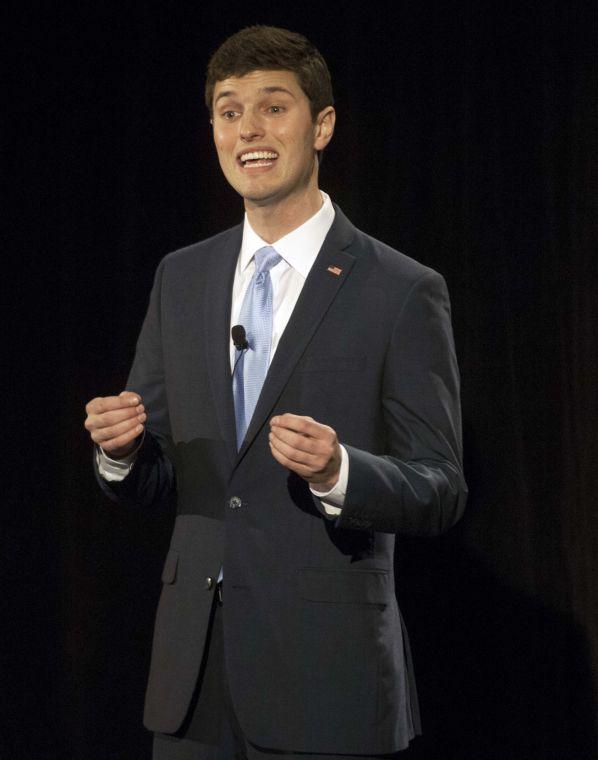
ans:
(308, 448)
(115, 422)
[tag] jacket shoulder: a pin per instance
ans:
(377, 256)
(203, 248)
(390, 262)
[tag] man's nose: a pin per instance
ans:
(250, 127)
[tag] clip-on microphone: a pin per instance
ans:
(240, 341)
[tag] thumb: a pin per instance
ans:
(130, 396)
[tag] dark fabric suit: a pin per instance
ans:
(315, 652)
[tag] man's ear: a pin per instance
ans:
(325, 122)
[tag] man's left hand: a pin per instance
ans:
(308, 448)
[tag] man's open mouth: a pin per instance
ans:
(257, 158)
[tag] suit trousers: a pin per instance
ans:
(211, 730)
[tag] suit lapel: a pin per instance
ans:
(219, 286)
(330, 270)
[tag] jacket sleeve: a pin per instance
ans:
(152, 479)
(416, 486)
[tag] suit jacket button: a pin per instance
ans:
(208, 583)
(235, 502)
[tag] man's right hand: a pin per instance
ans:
(116, 422)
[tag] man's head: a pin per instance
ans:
(270, 99)
(269, 48)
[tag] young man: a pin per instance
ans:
(278, 631)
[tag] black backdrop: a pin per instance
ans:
(467, 137)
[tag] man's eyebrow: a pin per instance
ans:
(266, 90)
(276, 88)
(225, 94)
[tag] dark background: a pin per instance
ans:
(467, 137)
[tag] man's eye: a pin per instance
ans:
(228, 115)
(276, 109)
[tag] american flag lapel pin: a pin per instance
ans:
(334, 270)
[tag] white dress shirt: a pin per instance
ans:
(298, 250)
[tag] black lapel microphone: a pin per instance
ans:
(239, 337)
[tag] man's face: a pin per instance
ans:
(265, 136)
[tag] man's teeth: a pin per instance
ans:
(257, 155)
(256, 164)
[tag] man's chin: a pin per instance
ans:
(260, 197)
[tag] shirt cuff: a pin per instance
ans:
(115, 470)
(333, 500)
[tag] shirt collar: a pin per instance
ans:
(299, 247)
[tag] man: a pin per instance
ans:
(278, 631)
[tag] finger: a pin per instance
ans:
(297, 423)
(296, 455)
(300, 441)
(110, 403)
(305, 426)
(312, 436)
(114, 431)
(130, 396)
(301, 470)
(122, 441)
(96, 421)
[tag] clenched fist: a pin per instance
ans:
(115, 422)
(308, 448)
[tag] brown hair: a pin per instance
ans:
(269, 48)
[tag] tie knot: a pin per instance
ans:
(266, 258)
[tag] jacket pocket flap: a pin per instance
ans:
(170, 566)
(344, 586)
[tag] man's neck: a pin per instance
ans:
(273, 221)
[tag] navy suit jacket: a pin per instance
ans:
(316, 655)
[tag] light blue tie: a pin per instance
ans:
(256, 317)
